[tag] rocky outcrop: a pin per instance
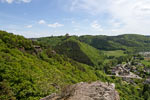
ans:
(87, 91)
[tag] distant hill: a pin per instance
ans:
(81, 52)
(52, 41)
(27, 73)
(129, 42)
(121, 42)
(33, 69)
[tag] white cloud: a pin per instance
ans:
(16, 1)
(95, 25)
(9, 1)
(29, 26)
(115, 23)
(133, 15)
(42, 22)
(90, 6)
(55, 25)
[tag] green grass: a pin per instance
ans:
(81, 52)
(29, 75)
(145, 62)
(116, 53)
(94, 54)
(52, 41)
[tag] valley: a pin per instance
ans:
(31, 69)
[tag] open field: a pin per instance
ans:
(116, 53)
(146, 62)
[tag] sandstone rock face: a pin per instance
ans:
(87, 91)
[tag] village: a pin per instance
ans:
(125, 71)
(133, 69)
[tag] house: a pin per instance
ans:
(119, 70)
(147, 81)
(145, 54)
(128, 80)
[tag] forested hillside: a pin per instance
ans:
(81, 52)
(129, 42)
(29, 74)
(133, 42)
(30, 70)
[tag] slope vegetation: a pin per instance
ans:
(28, 74)
(81, 52)
(30, 70)
(122, 42)
(128, 42)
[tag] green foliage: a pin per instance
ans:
(127, 42)
(29, 74)
(6, 91)
(29, 77)
(15, 41)
(115, 53)
(81, 52)
(146, 92)
(145, 62)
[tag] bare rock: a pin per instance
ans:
(87, 91)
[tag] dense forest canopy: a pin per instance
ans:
(34, 68)
(121, 42)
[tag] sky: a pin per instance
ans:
(41, 18)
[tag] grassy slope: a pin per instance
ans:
(95, 55)
(127, 91)
(116, 53)
(129, 42)
(52, 41)
(121, 42)
(145, 62)
(26, 76)
(29, 77)
(81, 52)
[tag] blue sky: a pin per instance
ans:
(40, 18)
